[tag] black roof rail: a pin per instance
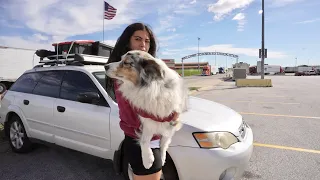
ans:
(72, 60)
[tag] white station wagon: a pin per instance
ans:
(68, 105)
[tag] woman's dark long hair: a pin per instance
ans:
(122, 46)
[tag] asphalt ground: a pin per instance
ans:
(286, 124)
(285, 120)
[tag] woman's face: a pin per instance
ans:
(140, 40)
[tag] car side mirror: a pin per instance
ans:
(89, 97)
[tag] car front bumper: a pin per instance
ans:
(213, 164)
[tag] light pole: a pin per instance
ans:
(198, 55)
(262, 42)
(182, 68)
(226, 62)
(215, 58)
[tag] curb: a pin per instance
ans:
(253, 83)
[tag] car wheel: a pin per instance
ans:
(169, 171)
(3, 88)
(17, 135)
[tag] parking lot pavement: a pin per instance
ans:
(286, 123)
(54, 163)
(203, 81)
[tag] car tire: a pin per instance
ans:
(3, 88)
(17, 136)
(169, 170)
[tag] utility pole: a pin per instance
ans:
(182, 68)
(262, 43)
(198, 55)
(215, 58)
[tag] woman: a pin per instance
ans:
(136, 36)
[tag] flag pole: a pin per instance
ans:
(103, 20)
(103, 30)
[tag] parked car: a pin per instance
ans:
(299, 73)
(68, 105)
(311, 73)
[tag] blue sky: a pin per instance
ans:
(232, 26)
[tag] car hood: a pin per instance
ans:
(203, 116)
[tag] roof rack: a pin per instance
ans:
(54, 58)
(72, 60)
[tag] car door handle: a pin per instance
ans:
(61, 109)
(26, 102)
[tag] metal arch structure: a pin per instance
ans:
(210, 53)
(205, 54)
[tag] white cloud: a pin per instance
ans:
(172, 13)
(185, 9)
(73, 17)
(165, 24)
(172, 30)
(110, 42)
(224, 7)
(56, 20)
(21, 42)
(168, 38)
(165, 41)
(241, 18)
(193, 2)
(40, 37)
(308, 21)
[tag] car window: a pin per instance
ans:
(26, 82)
(49, 84)
(101, 77)
(75, 83)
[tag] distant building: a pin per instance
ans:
(192, 65)
(170, 63)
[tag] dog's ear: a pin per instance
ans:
(151, 69)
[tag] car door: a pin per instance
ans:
(41, 104)
(81, 126)
(23, 98)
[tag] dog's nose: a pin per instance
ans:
(106, 67)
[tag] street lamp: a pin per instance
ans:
(198, 55)
(262, 42)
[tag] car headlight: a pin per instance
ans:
(215, 139)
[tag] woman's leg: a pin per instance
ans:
(133, 152)
(155, 176)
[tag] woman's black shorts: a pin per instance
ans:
(133, 153)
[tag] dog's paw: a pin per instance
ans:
(163, 159)
(163, 156)
(147, 159)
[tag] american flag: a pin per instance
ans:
(109, 11)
